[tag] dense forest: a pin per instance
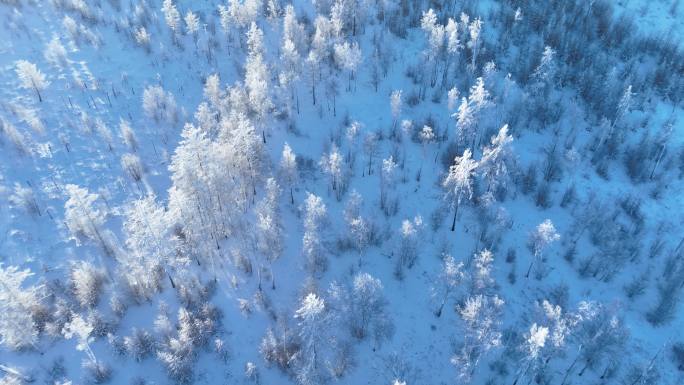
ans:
(400, 192)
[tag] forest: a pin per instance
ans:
(314, 192)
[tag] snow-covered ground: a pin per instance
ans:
(570, 123)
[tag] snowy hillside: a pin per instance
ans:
(341, 191)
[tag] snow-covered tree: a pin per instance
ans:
(465, 122)
(435, 33)
(408, 244)
(395, 105)
(546, 70)
(152, 249)
(312, 246)
(459, 181)
(142, 37)
(387, 181)
(269, 225)
(427, 136)
(331, 164)
(159, 105)
(348, 56)
(446, 286)
(81, 330)
(257, 75)
(544, 235)
(481, 317)
(17, 300)
(368, 308)
(192, 24)
(84, 215)
(25, 198)
(624, 105)
(128, 135)
(86, 283)
(452, 98)
(288, 169)
(312, 321)
(496, 159)
(30, 77)
(358, 226)
(171, 16)
(55, 53)
(475, 32)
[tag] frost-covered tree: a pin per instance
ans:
(152, 249)
(465, 122)
(84, 215)
(159, 105)
(133, 166)
(496, 159)
(81, 330)
(257, 76)
(358, 226)
(17, 301)
(348, 56)
(192, 23)
(435, 34)
(312, 245)
(142, 37)
(269, 225)
(545, 72)
(288, 169)
(370, 147)
(171, 16)
(178, 354)
(544, 235)
(446, 286)
(475, 32)
(368, 308)
(427, 136)
(312, 321)
(459, 182)
(481, 317)
(534, 342)
(55, 53)
(86, 283)
(387, 182)
(30, 77)
(395, 105)
(352, 134)
(623, 106)
(331, 164)
(408, 244)
(25, 198)
(128, 135)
